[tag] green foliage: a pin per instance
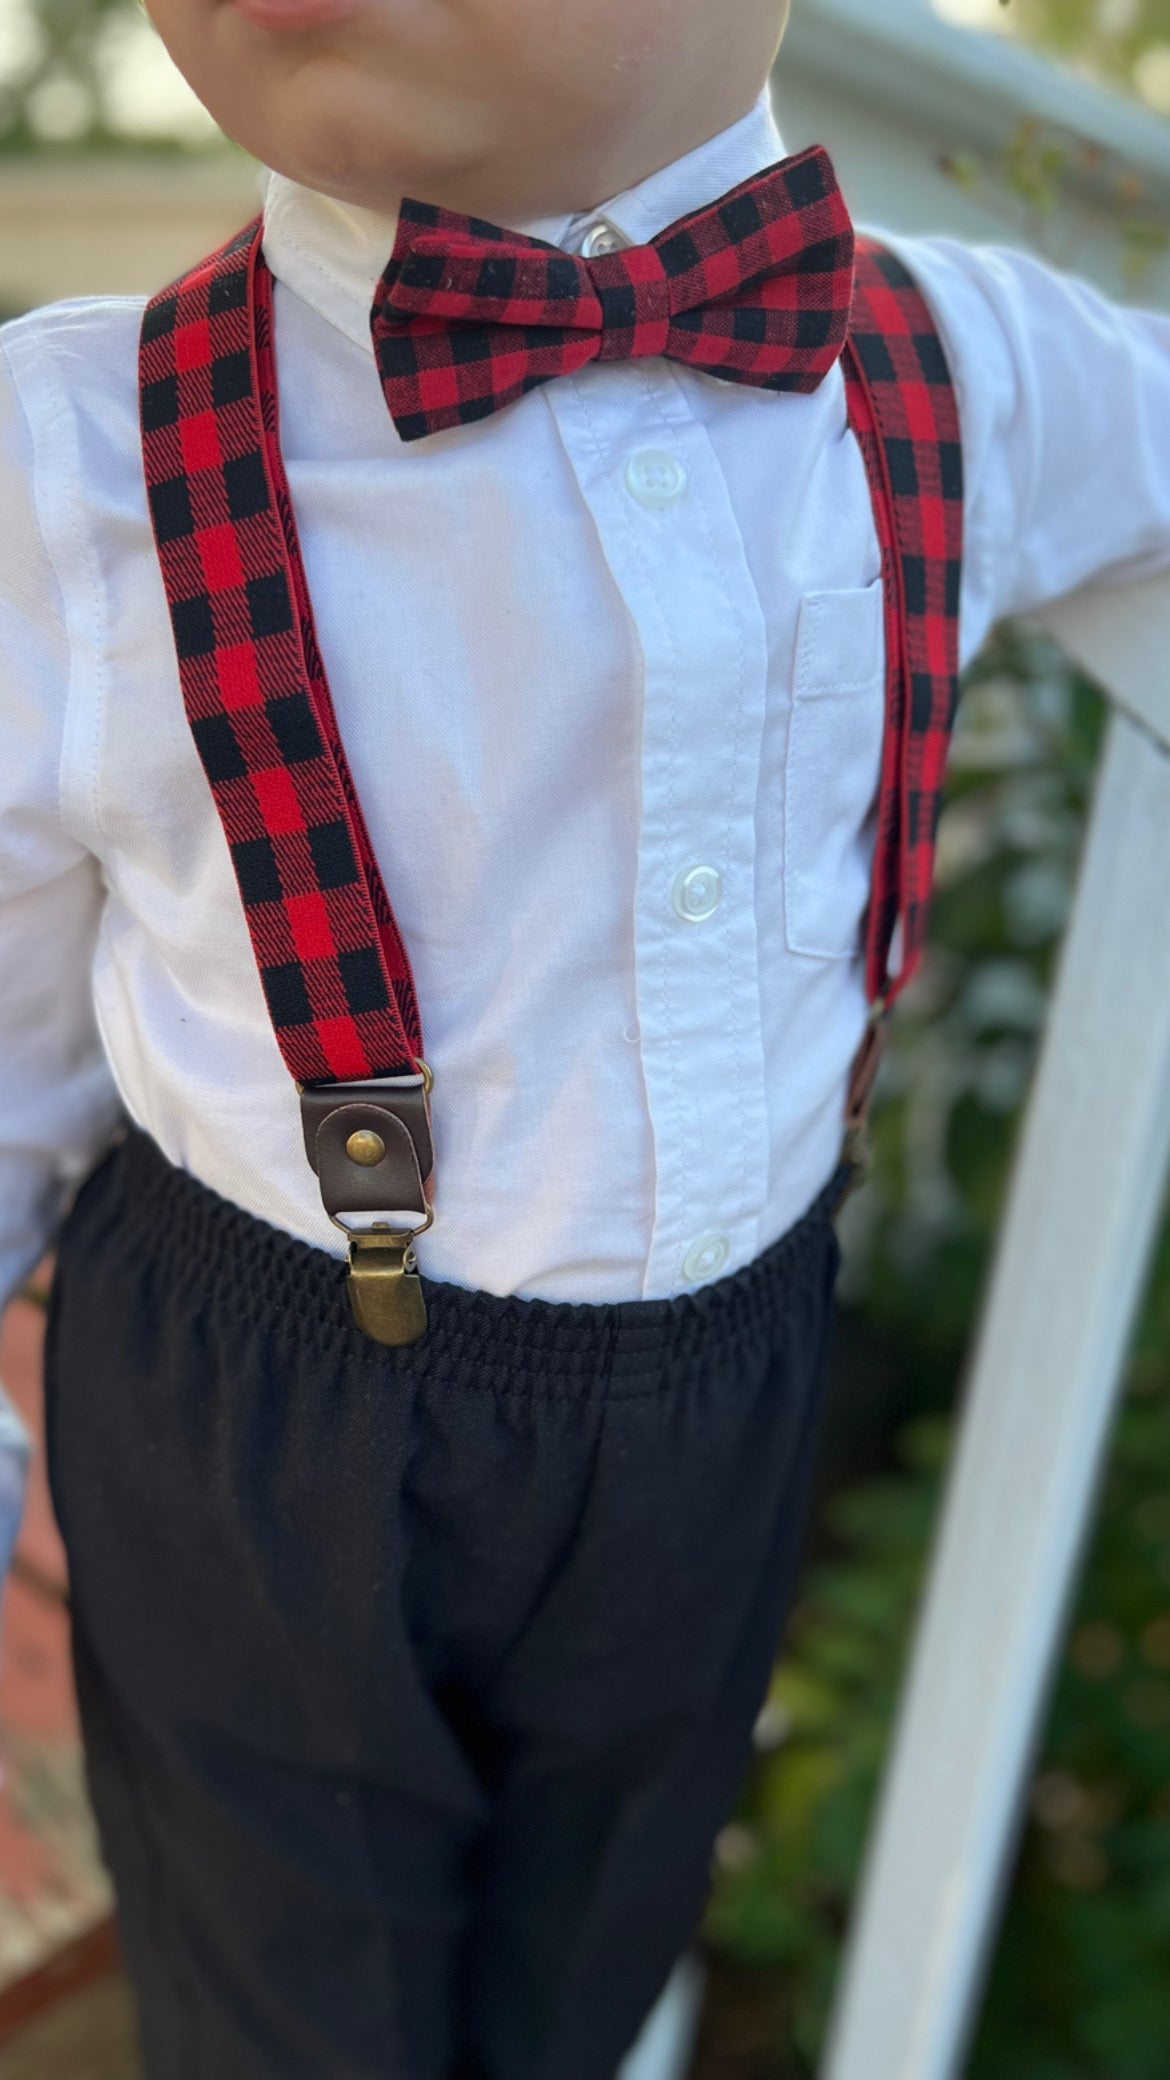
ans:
(1102, 35)
(1081, 1985)
(56, 90)
(1025, 181)
(962, 1046)
(62, 50)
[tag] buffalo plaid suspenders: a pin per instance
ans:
(905, 415)
(333, 967)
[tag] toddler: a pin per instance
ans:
(477, 659)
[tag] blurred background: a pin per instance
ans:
(1040, 122)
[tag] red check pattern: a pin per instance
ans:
(335, 973)
(904, 412)
(755, 288)
(334, 969)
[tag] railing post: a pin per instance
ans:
(667, 2043)
(1071, 1265)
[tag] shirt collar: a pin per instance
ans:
(332, 253)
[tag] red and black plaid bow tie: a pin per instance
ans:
(755, 288)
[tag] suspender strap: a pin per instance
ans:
(334, 970)
(904, 413)
(332, 964)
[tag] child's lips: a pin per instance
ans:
(296, 14)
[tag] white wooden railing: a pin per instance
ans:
(1037, 1413)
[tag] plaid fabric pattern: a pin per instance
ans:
(904, 412)
(755, 288)
(333, 966)
(334, 970)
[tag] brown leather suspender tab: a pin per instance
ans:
(866, 1064)
(366, 1178)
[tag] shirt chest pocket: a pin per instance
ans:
(833, 770)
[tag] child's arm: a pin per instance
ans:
(56, 1093)
(1065, 404)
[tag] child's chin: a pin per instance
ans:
(363, 142)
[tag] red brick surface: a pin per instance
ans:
(21, 1339)
(52, 1887)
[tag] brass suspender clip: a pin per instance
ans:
(370, 1145)
(385, 1290)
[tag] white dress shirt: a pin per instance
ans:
(609, 669)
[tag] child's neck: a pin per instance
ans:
(571, 180)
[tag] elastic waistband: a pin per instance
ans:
(207, 1251)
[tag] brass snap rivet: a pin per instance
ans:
(365, 1147)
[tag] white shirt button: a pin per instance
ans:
(656, 478)
(698, 892)
(601, 238)
(706, 1257)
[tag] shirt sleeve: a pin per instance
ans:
(57, 1096)
(1064, 400)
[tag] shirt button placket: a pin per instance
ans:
(673, 542)
(658, 481)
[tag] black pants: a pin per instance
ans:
(415, 1684)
